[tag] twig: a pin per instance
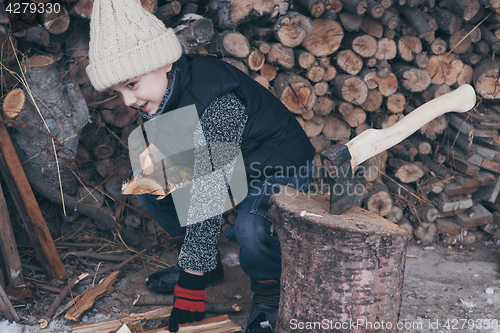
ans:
(6, 306)
(93, 255)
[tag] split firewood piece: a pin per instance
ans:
(292, 28)
(405, 171)
(350, 88)
(88, 299)
(411, 78)
(13, 103)
(396, 102)
(446, 203)
(281, 55)
(295, 92)
(466, 128)
(6, 307)
(378, 199)
(355, 6)
(325, 39)
(349, 62)
(56, 22)
(483, 178)
(408, 47)
(373, 102)
(448, 226)
(486, 79)
(229, 43)
(227, 307)
(238, 64)
(415, 16)
(388, 85)
(207, 325)
(116, 113)
(335, 129)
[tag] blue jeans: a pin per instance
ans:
(260, 252)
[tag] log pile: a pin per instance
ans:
(341, 67)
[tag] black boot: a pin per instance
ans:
(265, 304)
(164, 281)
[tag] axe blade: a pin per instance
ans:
(345, 189)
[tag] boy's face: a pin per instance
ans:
(144, 92)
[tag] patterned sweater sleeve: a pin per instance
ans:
(217, 140)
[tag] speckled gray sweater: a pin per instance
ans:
(223, 121)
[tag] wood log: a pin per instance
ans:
(355, 118)
(292, 28)
(364, 45)
(375, 239)
(374, 9)
(390, 20)
(406, 172)
(464, 77)
(255, 60)
(370, 77)
(28, 209)
(325, 39)
(378, 199)
(10, 262)
(295, 92)
(447, 21)
(396, 102)
(426, 232)
(227, 307)
(314, 126)
(349, 62)
(444, 69)
(229, 43)
(421, 60)
(315, 73)
(355, 6)
(383, 68)
(438, 46)
(335, 129)
(350, 88)
(435, 90)
(471, 58)
(323, 105)
(486, 78)
(168, 10)
(268, 71)
(418, 22)
(83, 8)
(280, 55)
(330, 73)
(304, 59)
(386, 49)
(319, 143)
(373, 102)
(261, 45)
(460, 42)
(321, 88)
(315, 7)
(491, 39)
(351, 21)
(6, 307)
(408, 46)
(13, 103)
(372, 27)
(388, 85)
(411, 78)
(464, 9)
(56, 23)
(115, 113)
(33, 33)
(196, 34)
(77, 66)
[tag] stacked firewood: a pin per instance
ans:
(341, 67)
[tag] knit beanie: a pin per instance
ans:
(127, 41)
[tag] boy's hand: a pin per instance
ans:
(189, 300)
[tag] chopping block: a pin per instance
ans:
(339, 272)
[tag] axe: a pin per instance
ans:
(340, 161)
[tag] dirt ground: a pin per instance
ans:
(445, 290)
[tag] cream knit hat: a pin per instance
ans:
(126, 41)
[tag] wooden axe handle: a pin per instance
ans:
(372, 141)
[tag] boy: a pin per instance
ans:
(133, 53)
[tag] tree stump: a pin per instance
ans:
(64, 111)
(341, 271)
